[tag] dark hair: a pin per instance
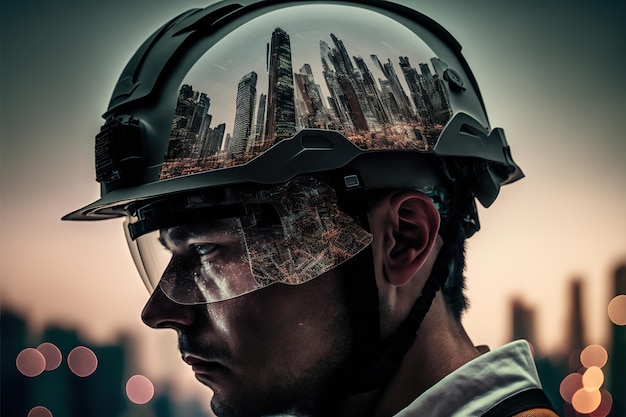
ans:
(453, 290)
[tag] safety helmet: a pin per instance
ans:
(333, 97)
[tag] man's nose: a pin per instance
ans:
(161, 312)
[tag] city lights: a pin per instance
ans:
(30, 362)
(585, 401)
(52, 355)
(39, 411)
(570, 385)
(82, 361)
(617, 310)
(593, 378)
(594, 355)
(583, 389)
(139, 389)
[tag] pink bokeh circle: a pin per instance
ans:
(30, 362)
(82, 361)
(139, 389)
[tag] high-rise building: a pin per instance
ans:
(419, 94)
(342, 57)
(336, 100)
(523, 326)
(244, 114)
(576, 324)
(259, 129)
(617, 369)
(281, 115)
(400, 97)
(213, 141)
(372, 92)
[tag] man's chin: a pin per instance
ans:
(246, 407)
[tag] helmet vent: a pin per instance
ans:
(316, 142)
(470, 130)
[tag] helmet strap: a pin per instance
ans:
(376, 360)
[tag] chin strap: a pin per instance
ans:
(375, 360)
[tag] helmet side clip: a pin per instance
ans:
(119, 152)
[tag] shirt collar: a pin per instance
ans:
(479, 384)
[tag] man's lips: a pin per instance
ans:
(201, 365)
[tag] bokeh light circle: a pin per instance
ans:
(39, 411)
(585, 401)
(617, 310)
(569, 386)
(52, 354)
(574, 360)
(593, 378)
(82, 361)
(139, 389)
(606, 403)
(594, 355)
(30, 362)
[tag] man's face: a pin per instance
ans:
(270, 351)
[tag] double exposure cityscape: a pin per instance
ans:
(60, 371)
(374, 113)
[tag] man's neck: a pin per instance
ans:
(441, 347)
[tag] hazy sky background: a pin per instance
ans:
(551, 73)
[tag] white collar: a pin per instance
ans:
(479, 384)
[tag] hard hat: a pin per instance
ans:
(358, 96)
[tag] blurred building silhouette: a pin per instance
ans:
(65, 394)
(553, 368)
(576, 338)
(617, 364)
(523, 325)
(103, 393)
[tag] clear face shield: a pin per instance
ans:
(200, 249)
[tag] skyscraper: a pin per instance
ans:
(281, 115)
(244, 113)
(576, 326)
(259, 129)
(372, 92)
(400, 97)
(617, 375)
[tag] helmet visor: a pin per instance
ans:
(316, 66)
(209, 251)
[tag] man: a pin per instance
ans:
(299, 211)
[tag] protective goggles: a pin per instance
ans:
(210, 247)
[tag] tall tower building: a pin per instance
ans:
(336, 100)
(400, 97)
(617, 375)
(343, 58)
(420, 97)
(523, 322)
(372, 93)
(259, 129)
(244, 113)
(576, 325)
(281, 114)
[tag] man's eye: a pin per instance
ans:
(204, 249)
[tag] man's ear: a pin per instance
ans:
(410, 231)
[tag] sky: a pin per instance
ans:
(551, 74)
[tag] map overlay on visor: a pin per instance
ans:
(213, 251)
(280, 73)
